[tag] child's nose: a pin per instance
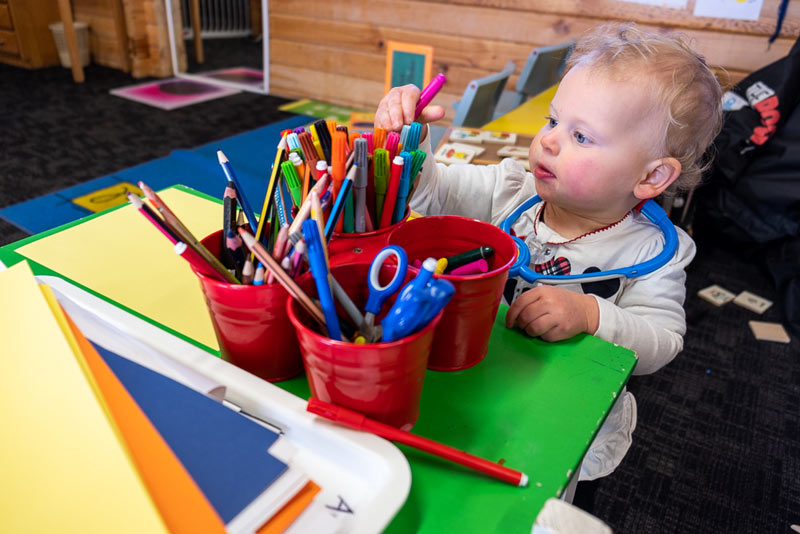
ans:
(550, 141)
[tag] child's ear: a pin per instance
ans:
(660, 174)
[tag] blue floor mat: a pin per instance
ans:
(251, 154)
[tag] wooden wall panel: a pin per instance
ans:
(106, 47)
(131, 35)
(336, 50)
(146, 22)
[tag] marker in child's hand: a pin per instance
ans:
(429, 92)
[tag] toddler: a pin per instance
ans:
(631, 119)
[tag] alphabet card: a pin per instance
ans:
(455, 154)
(466, 135)
(752, 302)
(502, 138)
(513, 152)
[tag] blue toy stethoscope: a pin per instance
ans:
(649, 209)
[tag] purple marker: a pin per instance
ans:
(476, 267)
(429, 92)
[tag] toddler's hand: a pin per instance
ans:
(397, 108)
(553, 313)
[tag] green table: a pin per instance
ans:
(533, 404)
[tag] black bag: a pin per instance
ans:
(752, 195)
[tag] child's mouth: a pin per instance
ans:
(542, 173)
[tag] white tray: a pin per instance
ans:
(364, 479)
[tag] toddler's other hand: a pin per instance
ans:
(553, 313)
(397, 108)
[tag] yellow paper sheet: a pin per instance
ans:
(528, 118)
(123, 257)
(62, 465)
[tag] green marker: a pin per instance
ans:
(293, 181)
(381, 171)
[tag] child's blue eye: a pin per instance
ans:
(551, 122)
(580, 138)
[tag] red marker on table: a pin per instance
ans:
(429, 92)
(360, 422)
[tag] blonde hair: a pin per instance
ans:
(683, 84)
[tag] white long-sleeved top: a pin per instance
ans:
(644, 314)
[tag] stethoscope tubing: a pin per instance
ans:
(649, 209)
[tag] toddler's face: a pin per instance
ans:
(597, 145)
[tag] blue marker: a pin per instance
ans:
(319, 270)
(402, 188)
(412, 139)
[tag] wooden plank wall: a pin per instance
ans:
(335, 50)
(131, 35)
(107, 46)
(148, 36)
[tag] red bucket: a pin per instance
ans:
(380, 380)
(462, 337)
(361, 247)
(251, 324)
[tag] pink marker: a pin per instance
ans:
(475, 267)
(429, 92)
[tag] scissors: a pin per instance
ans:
(378, 293)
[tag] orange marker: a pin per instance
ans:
(338, 168)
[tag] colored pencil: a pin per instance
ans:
(338, 207)
(150, 215)
(248, 271)
(184, 251)
(283, 277)
(185, 235)
(242, 198)
(271, 186)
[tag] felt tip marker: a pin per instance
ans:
(360, 422)
(429, 92)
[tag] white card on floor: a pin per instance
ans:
(769, 331)
(514, 151)
(449, 154)
(475, 149)
(465, 135)
(752, 302)
(716, 295)
(503, 138)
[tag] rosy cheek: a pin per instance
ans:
(532, 156)
(582, 178)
